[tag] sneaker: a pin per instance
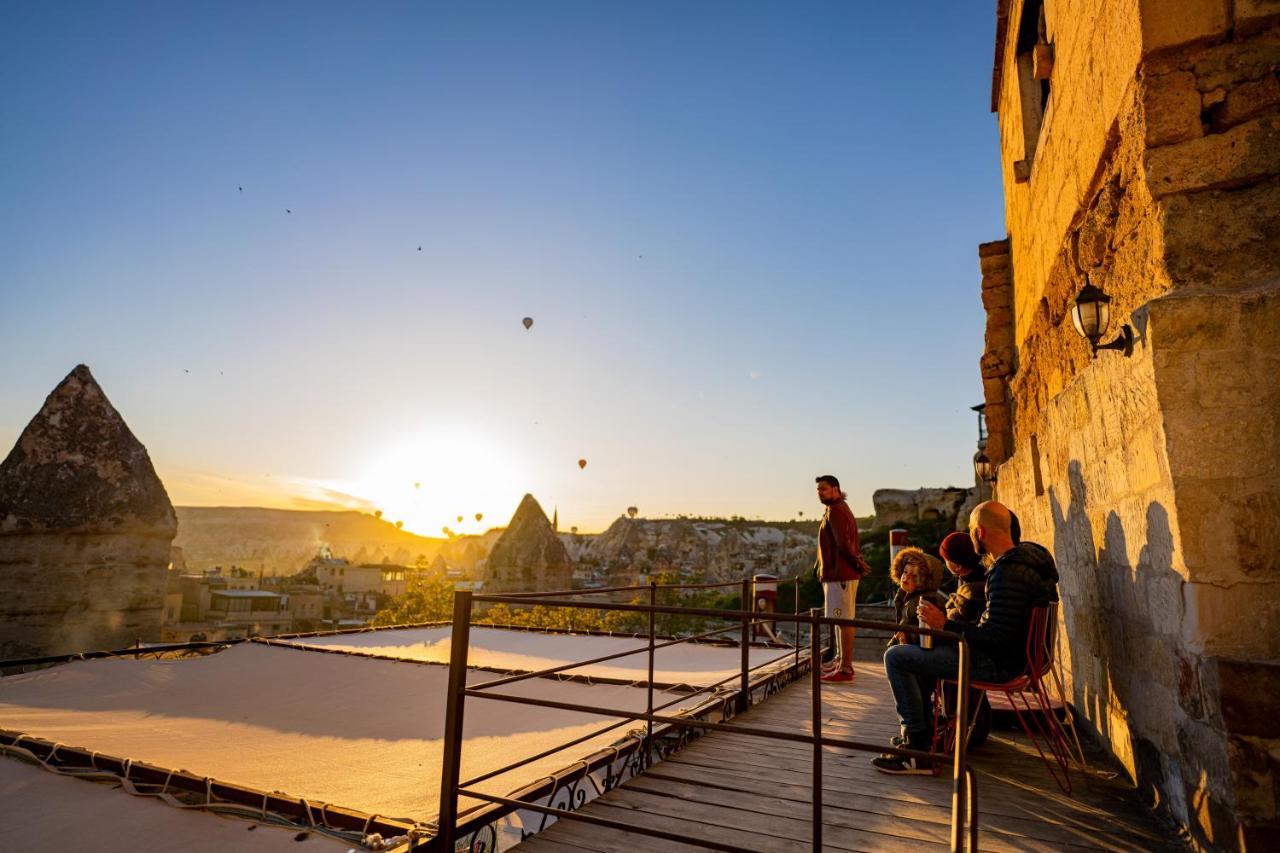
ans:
(837, 675)
(901, 765)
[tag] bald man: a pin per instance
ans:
(1022, 576)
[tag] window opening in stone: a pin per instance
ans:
(1035, 65)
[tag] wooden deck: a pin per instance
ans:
(755, 792)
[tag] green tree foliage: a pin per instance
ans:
(562, 618)
(700, 599)
(426, 600)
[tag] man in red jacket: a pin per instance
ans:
(840, 566)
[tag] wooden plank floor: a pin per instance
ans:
(755, 792)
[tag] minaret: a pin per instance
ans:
(555, 519)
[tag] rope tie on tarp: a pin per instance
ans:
(211, 803)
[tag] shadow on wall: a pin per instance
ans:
(1130, 676)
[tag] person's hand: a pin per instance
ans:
(901, 637)
(932, 616)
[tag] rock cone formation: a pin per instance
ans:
(85, 529)
(528, 556)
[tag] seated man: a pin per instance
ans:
(1021, 577)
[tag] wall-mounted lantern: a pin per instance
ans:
(1092, 313)
(982, 467)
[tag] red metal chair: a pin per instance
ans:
(1039, 722)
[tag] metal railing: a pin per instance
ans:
(963, 793)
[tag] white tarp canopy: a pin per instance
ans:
(43, 811)
(526, 651)
(347, 730)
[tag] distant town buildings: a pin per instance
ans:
(232, 603)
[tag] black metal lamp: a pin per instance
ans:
(983, 468)
(1091, 314)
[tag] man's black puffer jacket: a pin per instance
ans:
(1024, 577)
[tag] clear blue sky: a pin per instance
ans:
(747, 233)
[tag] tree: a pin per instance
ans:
(426, 600)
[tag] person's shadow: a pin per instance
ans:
(1122, 645)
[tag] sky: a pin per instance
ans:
(295, 243)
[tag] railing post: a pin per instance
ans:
(744, 688)
(795, 607)
(648, 737)
(454, 699)
(815, 682)
(958, 776)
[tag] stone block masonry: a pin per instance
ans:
(1154, 479)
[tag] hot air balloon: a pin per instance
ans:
(632, 511)
(573, 530)
(802, 513)
(417, 485)
(528, 322)
(479, 515)
(582, 463)
(459, 519)
(399, 525)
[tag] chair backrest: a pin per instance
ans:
(1041, 635)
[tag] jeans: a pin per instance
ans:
(912, 672)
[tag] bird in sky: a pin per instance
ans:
(184, 370)
(287, 210)
(240, 188)
(419, 248)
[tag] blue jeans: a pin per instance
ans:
(912, 672)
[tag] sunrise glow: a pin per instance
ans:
(429, 479)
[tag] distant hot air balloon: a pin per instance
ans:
(377, 513)
(582, 463)
(417, 485)
(479, 515)
(399, 525)
(802, 513)
(632, 511)
(573, 530)
(459, 519)
(528, 322)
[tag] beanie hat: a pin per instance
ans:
(958, 548)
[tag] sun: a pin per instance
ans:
(429, 479)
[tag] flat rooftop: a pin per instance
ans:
(323, 718)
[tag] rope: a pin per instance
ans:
(210, 804)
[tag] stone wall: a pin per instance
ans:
(1096, 48)
(1155, 479)
(999, 354)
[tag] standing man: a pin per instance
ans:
(840, 566)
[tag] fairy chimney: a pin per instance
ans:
(529, 556)
(85, 530)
